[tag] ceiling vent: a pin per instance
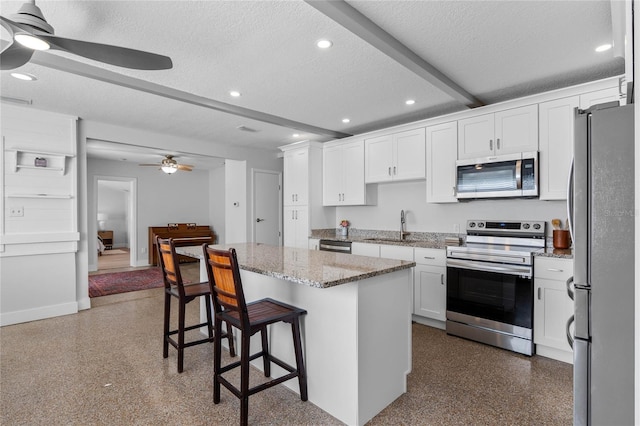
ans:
(246, 129)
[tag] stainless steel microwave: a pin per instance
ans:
(512, 175)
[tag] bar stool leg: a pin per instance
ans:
(297, 345)
(244, 379)
(265, 352)
(217, 362)
(207, 308)
(167, 311)
(181, 313)
(232, 349)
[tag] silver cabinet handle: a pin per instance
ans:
(442, 279)
(394, 170)
(296, 214)
(292, 215)
(555, 270)
(539, 293)
(389, 171)
(498, 143)
(430, 257)
(491, 144)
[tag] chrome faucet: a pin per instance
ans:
(402, 225)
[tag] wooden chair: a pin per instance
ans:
(174, 287)
(230, 305)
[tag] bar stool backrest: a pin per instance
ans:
(169, 264)
(226, 285)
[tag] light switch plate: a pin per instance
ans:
(16, 211)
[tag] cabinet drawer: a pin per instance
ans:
(428, 256)
(553, 268)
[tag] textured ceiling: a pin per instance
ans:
(495, 50)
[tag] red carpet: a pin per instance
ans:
(122, 282)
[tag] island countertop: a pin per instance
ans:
(314, 268)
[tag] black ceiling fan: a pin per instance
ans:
(30, 31)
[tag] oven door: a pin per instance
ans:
(492, 291)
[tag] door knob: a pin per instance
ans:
(259, 220)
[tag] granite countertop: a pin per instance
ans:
(554, 252)
(433, 240)
(314, 268)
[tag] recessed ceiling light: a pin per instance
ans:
(234, 93)
(296, 135)
(324, 44)
(603, 48)
(410, 102)
(23, 76)
(32, 42)
(346, 120)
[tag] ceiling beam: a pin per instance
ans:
(354, 21)
(85, 70)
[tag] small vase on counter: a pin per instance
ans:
(344, 231)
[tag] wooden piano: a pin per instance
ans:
(183, 234)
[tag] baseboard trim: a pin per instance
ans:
(84, 303)
(27, 315)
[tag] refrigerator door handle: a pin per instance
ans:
(570, 200)
(569, 290)
(569, 336)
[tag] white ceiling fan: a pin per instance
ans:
(170, 166)
(30, 31)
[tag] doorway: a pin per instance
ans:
(116, 219)
(266, 215)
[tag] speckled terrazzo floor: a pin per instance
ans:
(105, 366)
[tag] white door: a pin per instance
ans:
(266, 207)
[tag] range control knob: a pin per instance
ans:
(481, 225)
(536, 226)
(472, 224)
(525, 226)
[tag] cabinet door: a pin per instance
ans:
(396, 252)
(516, 130)
(430, 292)
(332, 175)
(475, 137)
(365, 249)
(289, 226)
(556, 146)
(409, 155)
(296, 177)
(302, 227)
(599, 97)
(353, 187)
(442, 152)
(552, 310)
(314, 244)
(378, 154)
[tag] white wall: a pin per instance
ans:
(114, 203)
(217, 202)
(424, 217)
(236, 202)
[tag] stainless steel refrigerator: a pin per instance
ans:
(602, 216)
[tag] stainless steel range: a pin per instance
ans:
(490, 283)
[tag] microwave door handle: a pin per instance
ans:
(570, 200)
(519, 174)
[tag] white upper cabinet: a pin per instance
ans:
(296, 177)
(556, 146)
(400, 156)
(442, 152)
(343, 174)
(504, 132)
(599, 97)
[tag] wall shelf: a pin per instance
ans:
(26, 159)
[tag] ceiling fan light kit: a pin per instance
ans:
(169, 165)
(30, 31)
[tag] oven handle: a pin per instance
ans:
(490, 267)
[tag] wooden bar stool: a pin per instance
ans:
(230, 305)
(174, 287)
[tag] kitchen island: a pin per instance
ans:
(357, 331)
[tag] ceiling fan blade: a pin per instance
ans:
(14, 27)
(13, 56)
(154, 165)
(185, 167)
(114, 55)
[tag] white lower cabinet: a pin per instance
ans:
(296, 226)
(314, 244)
(552, 307)
(430, 284)
(396, 252)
